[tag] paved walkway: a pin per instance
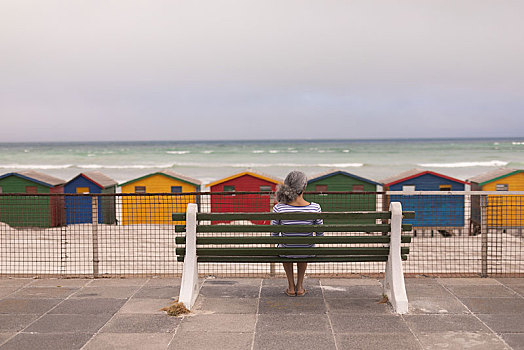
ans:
(256, 314)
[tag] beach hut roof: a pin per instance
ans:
(251, 172)
(334, 172)
(413, 173)
(494, 175)
(170, 174)
(38, 177)
(99, 179)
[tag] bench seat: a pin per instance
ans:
(240, 243)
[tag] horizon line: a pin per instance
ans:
(276, 140)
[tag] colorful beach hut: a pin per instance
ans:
(79, 210)
(31, 211)
(246, 181)
(342, 181)
(158, 209)
(502, 211)
(431, 211)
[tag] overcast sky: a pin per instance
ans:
(224, 69)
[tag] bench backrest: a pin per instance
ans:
(238, 242)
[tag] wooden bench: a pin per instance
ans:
(220, 244)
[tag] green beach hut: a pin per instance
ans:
(341, 181)
(31, 211)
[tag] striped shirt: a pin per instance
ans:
(286, 208)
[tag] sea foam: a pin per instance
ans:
(35, 166)
(464, 164)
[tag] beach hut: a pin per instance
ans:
(79, 210)
(31, 211)
(246, 181)
(442, 212)
(502, 211)
(342, 181)
(158, 209)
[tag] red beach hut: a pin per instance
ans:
(246, 181)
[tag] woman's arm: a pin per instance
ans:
(275, 222)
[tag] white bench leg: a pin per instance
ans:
(189, 285)
(394, 286)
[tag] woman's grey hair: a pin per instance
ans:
(294, 185)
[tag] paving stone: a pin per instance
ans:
(218, 323)
(15, 282)
(5, 336)
(374, 341)
(61, 282)
(313, 291)
(421, 280)
(117, 282)
(425, 305)
(487, 291)
(89, 306)
(145, 306)
(7, 291)
(468, 281)
(511, 280)
(105, 292)
(211, 340)
(27, 306)
(358, 306)
(158, 292)
(293, 341)
(229, 291)
(254, 282)
(226, 305)
(293, 323)
(504, 323)
(15, 322)
(293, 305)
(444, 323)
(127, 341)
(350, 323)
(517, 288)
(43, 292)
(69, 323)
(163, 282)
(47, 341)
(515, 340)
(141, 323)
(460, 341)
(282, 282)
(359, 292)
(427, 290)
(351, 282)
(495, 305)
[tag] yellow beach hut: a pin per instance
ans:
(157, 209)
(503, 210)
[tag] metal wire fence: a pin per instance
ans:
(114, 235)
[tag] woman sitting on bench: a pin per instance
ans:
(290, 200)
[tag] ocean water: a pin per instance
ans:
(212, 160)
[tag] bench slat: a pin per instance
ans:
(277, 259)
(292, 251)
(294, 240)
(301, 216)
(294, 228)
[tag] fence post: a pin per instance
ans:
(484, 234)
(94, 232)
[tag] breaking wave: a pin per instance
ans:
(464, 164)
(178, 152)
(35, 166)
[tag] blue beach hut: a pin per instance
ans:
(431, 211)
(79, 209)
